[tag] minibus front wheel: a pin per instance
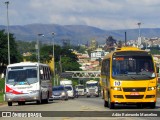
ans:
(9, 103)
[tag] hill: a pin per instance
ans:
(77, 34)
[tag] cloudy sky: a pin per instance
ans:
(105, 14)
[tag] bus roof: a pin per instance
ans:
(126, 48)
(26, 64)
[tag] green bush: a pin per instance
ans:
(1, 98)
(2, 83)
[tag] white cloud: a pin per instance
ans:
(143, 2)
(106, 14)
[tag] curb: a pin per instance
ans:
(2, 103)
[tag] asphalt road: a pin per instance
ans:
(89, 107)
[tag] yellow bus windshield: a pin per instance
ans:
(132, 67)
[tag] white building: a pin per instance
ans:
(97, 54)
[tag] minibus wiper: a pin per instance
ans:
(15, 83)
(28, 82)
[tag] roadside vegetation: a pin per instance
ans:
(15, 55)
(1, 90)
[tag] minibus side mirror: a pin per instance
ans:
(41, 72)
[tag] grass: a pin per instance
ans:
(1, 91)
(1, 98)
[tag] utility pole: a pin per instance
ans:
(38, 48)
(7, 3)
(139, 38)
(139, 25)
(53, 34)
(125, 38)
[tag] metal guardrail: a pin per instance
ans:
(81, 74)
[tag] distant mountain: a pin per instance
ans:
(76, 34)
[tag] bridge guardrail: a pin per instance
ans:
(82, 74)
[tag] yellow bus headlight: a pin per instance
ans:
(151, 88)
(116, 88)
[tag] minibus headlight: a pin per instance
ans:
(63, 93)
(116, 88)
(87, 90)
(151, 88)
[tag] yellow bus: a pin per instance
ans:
(128, 76)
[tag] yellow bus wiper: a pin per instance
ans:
(144, 75)
(128, 75)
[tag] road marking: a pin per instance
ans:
(66, 118)
(85, 108)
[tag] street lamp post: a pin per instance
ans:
(53, 34)
(8, 33)
(37, 47)
(139, 38)
(139, 25)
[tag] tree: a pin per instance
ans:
(155, 51)
(32, 58)
(63, 57)
(110, 43)
(119, 44)
(80, 49)
(15, 56)
(46, 53)
(69, 64)
(24, 47)
(68, 53)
